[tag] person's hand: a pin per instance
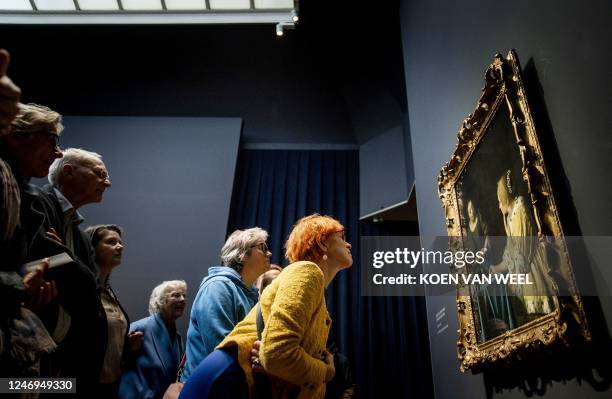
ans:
(174, 390)
(330, 371)
(52, 234)
(38, 291)
(9, 93)
(135, 339)
(255, 363)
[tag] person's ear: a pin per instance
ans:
(12, 140)
(68, 170)
(245, 258)
(322, 246)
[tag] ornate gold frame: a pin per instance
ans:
(503, 81)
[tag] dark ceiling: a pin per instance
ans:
(209, 70)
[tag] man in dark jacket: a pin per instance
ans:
(77, 179)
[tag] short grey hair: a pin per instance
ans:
(159, 295)
(239, 245)
(70, 156)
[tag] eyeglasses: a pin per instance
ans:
(262, 246)
(53, 138)
(178, 295)
(100, 173)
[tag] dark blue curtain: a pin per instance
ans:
(385, 339)
(395, 359)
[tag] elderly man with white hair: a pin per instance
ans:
(227, 294)
(156, 366)
(78, 178)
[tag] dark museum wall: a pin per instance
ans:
(162, 171)
(329, 81)
(284, 90)
(563, 47)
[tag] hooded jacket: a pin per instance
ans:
(223, 300)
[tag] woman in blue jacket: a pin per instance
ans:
(226, 295)
(156, 366)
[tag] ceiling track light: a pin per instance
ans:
(295, 16)
(281, 26)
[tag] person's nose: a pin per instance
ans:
(107, 182)
(268, 254)
(349, 246)
(57, 152)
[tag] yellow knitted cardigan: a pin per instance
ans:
(295, 335)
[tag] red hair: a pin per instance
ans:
(307, 234)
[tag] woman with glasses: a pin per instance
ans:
(226, 295)
(294, 325)
(156, 366)
(24, 339)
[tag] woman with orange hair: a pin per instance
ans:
(295, 324)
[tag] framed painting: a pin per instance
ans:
(497, 199)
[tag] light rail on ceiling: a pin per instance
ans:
(129, 12)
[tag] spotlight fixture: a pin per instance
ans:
(281, 26)
(294, 15)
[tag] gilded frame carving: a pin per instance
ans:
(504, 87)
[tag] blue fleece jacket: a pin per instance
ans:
(222, 301)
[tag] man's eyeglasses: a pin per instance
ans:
(262, 246)
(100, 173)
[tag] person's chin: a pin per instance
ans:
(94, 200)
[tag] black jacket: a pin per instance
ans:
(13, 250)
(81, 354)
